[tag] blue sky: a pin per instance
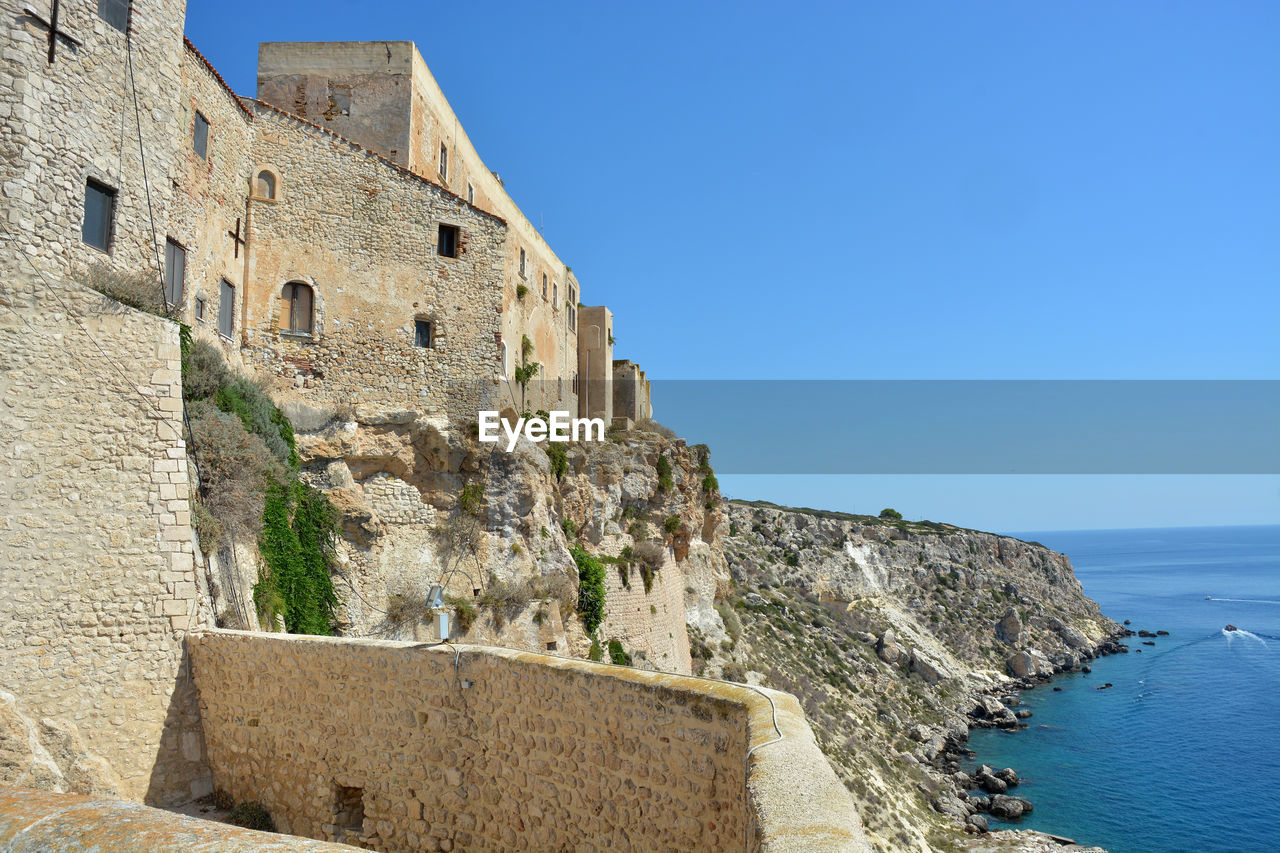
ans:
(881, 190)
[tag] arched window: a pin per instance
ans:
(266, 185)
(296, 308)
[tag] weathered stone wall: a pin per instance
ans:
(383, 96)
(97, 582)
(211, 198)
(66, 823)
(413, 747)
(74, 119)
(362, 233)
(630, 392)
(595, 363)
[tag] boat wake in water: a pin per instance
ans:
(1242, 600)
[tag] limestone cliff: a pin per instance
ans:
(424, 502)
(896, 637)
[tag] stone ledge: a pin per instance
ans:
(71, 823)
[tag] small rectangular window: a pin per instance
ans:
(555, 295)
(175, 270)
(226, 309)
(444, 162)
(447, 243)
(99, 214)
(200, 136)
(199, 309)
(422, 334)
(471, 193)
(544, 285)
(115, 13)
(522, 263)
(573, 318)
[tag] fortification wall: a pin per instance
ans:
(97, 581)
(415, 747)
(73, 120)
(362, 233)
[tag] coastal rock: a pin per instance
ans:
(1009, 629)
(1009, 808)
(977, 822)
(951, 807)
(1023, 713)
(1029, 663)
(888, 650)
(929, 669)
(992, 784)
(1008, 775)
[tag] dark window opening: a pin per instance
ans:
(115, 13)
(297, 302)
(522, 263)
(447, 244)
(99, 213)
(175, 270)
(200, 136)
(444, 162)
(551, 646)
(226, 308)
(422, 334)
(544, 285)
(348, 808)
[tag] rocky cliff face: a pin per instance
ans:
(424, 502)
(898, 637)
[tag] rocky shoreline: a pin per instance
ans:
(986, 791)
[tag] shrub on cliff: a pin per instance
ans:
(299, 526)
(249, 488)
(617, 654)
(143, 290)
(236, 468)
(663, 468)
(890, 514)
(590, 589)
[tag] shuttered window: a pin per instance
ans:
(226, 308)
(296, 308)
(175, 270)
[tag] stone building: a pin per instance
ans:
(382, 95)
(306, 245)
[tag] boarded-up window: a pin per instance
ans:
(296, 312)
(175, 270)
(99, 211)
(226, 308)
(115, 13)
(200, 136)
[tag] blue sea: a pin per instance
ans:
(1183, 753)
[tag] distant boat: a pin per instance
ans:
(1208, 598)
(1232, 628)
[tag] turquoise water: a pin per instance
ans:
(1183, 753)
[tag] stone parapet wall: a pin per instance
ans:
(67, 823)
(97, 579)
(408, 747)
